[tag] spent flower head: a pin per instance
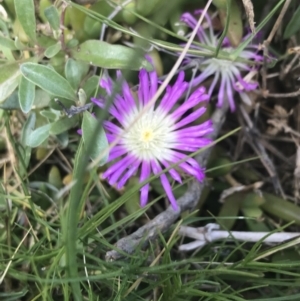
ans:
(228, 73)
(155, 139)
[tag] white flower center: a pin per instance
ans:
(222, 64)
(227, 67)
(151, 136)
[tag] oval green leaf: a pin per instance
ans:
(229, 211)
(11, 102)
(41, 99)
(104, 55)
(26, 150)
(9, 79)
(281, 208)
(49, 80)
(63, 139)
(63, 125)
(38, 136)
(53, 50)
(26, 94)
(91, 85)
(51, 115)
(18, 44)
(74, 72)
(52, 16)
(28, 128)
(97, 143)
(8, 43)
(235, 23)
(26, 14)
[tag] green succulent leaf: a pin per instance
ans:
(26, 14)
(104, 55)
(9, 79)
(38, 136)
(48, 80)
(75, 71)
(8, 43)
(53, 50)
(52, 16)
(63, 125)
(98, 143)
(26, 94)
(293, 26)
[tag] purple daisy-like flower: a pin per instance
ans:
(229, 73)
(160, 137)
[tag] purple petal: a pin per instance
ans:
(207, 18)
(189, 146)
(129, 173)
(143, 92)
(173, 93)
(171, 90)
(111, 137)
(111, 127)
(190, 118)
(246, 85)
(145, 173)
(230, 96)
(174, 174)
(99, 102)
(144, 195)
(197, 130)
(202, 77)
(213, 84)
(190, 103)
(116, 152)
(126, 162)
(107, 84)
(130, 102)
(165, 183)
(114, 112)
(153, 84)
(221, 94)
(192, 168)
(191, 21)
(116, 167)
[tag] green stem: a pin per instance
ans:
(76, 202)
(224, 33)
(72, 220)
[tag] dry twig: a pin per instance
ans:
(269, 40)
(253, 139)
(211, 232)
(248, 5)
